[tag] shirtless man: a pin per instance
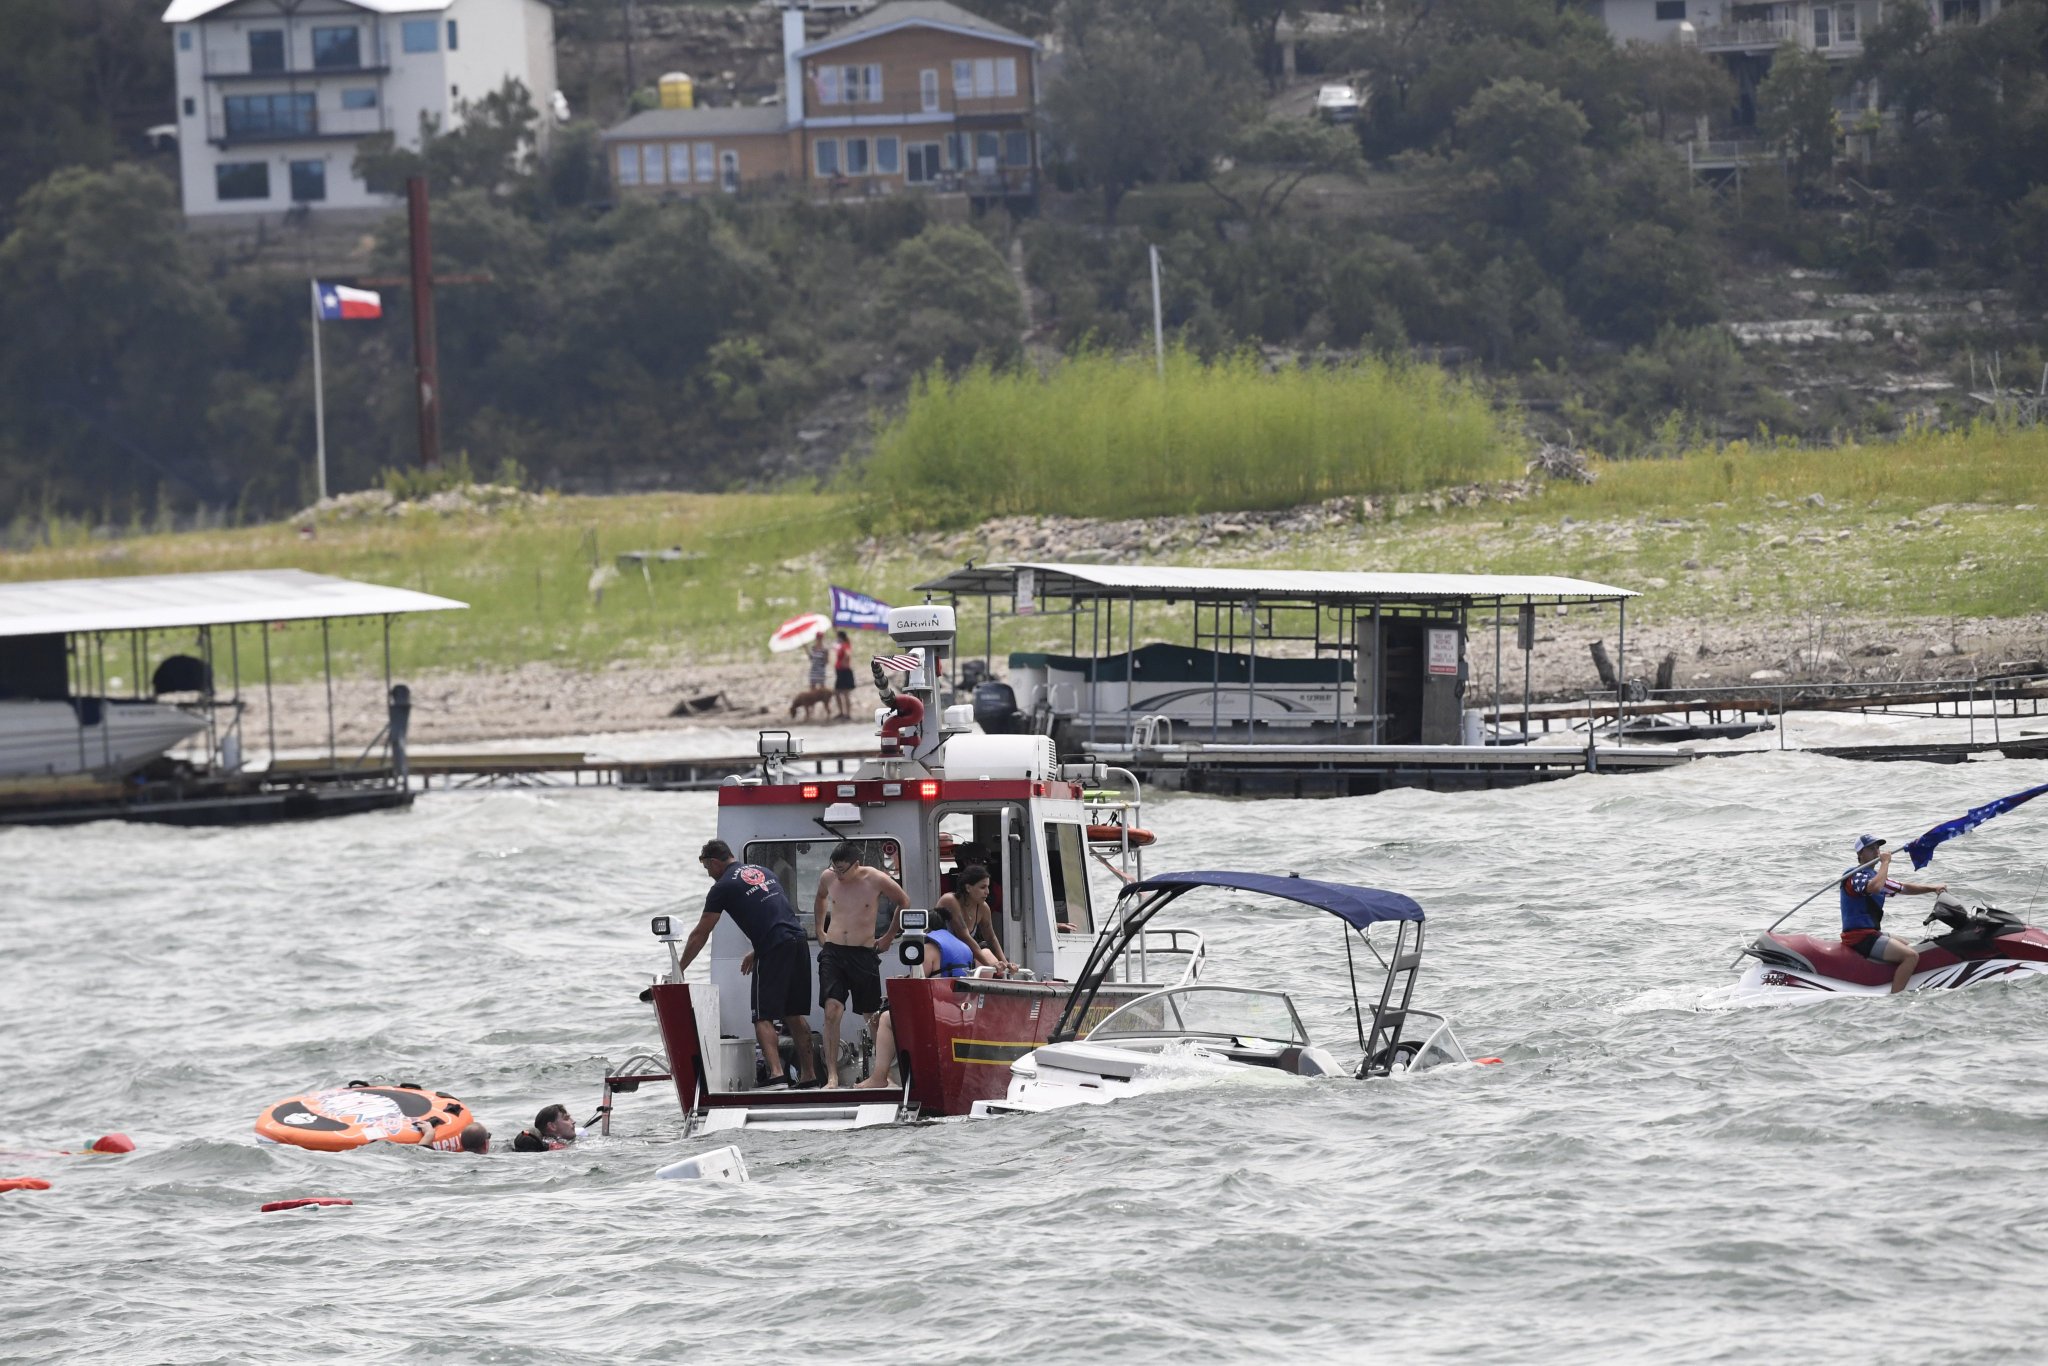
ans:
(849, 954)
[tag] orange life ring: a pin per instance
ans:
(23, 1183)
(1114, 834)
(351, 1116)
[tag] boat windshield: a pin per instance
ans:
(1210, 1012)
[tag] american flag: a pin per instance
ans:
(908, 664)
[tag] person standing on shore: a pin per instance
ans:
(816, 657)
(780, 960)
(842, 676)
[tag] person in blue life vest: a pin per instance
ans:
(947, 954)
(1864, 889)
(780, 960)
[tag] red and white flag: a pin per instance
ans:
(906, 664)
(339, 303)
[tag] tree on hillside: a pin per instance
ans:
(1523, 146)
(113, 341)
(949, 299)
(1262, 20)
(1032, 18)
(1149, 90)
(1426, 59)
(1274, 156)
(1678, 83)
(489, 148)
(1795, 108)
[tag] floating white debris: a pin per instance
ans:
(720, 1164)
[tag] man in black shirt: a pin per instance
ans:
(780, 961)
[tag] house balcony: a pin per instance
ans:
(1750, 35)
(910, 107)
(309, 125)
(232, 66)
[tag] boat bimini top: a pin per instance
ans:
(1360, 908)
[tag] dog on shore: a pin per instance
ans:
(808, 698)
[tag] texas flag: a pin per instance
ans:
(338, 302)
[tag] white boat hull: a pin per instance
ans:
(46, 739)
(1768, 984)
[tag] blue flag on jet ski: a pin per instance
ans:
(1922, 849)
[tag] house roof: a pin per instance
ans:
(185, 11)
(901, 14)
(1174, 583)
(674, 123)
(155, 602)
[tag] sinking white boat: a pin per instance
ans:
(1196, 1033)
(108, 737)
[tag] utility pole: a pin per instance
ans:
(626, 9)
(1158, 327)
(426, 365)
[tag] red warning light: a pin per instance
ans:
(928, 789)
(810, 792)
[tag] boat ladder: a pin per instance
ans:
(1383, 1042)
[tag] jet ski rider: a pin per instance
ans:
(1864, 889)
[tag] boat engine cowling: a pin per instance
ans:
(995, 709)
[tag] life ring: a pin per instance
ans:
(23, 1183)
(351, 1116)
(1116, 834)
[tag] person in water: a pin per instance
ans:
(847, 911)
(946, 954)
(969, 908)
(555, 1126)
(474, 1138)
(1864, 889)
(780, 960)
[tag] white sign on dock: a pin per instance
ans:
(1443, 652)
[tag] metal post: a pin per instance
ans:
(1379, 669)
(1130, 660)
(1215, 669)
(1496, 673)
(319, 402)
(1528, 651)
(327, 662)
(269, 701)
(426, 368)
(1621, 665)
(1158, 326)
(1251, 678)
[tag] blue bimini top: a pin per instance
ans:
(1359, 906)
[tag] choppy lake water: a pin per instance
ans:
(1854, 1181)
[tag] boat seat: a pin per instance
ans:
(1308, 1061)
(1838, 960)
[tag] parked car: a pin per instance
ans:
(1336, 104)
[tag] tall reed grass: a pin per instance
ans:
(1102, 435)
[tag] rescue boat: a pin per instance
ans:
(936, 797)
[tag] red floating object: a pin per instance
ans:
(112, 1143)
(1488, 1062)
(23, 1183)
(276, 1205)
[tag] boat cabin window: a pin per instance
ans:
(1066, 860)
(798, 864)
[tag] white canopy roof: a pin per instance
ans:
(1059, 580)
(185, 11)
(150, 602)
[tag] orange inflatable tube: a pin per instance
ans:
(351, 1116)
(1114, 834)
(23, 1183)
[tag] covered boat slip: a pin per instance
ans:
(1361, 676)
(93, 703)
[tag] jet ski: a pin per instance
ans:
(1981, 945)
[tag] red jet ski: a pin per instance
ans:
(1983, 945)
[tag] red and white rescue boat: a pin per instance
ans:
(933, 799)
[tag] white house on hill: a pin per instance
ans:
(275, 95)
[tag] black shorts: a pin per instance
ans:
(842, 680)
(782, 980)
(849, 971)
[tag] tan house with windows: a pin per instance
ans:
(913, 95)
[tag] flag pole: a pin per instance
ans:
(319, 400)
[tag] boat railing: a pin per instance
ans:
(1165, 943)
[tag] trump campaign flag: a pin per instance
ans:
(1922, 849)
(858, 611)
(339, 302)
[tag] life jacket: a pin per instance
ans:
(955, 958)
(1862, 912)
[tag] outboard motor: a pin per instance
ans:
(995, 709)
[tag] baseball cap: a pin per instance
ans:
(1865, 841)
